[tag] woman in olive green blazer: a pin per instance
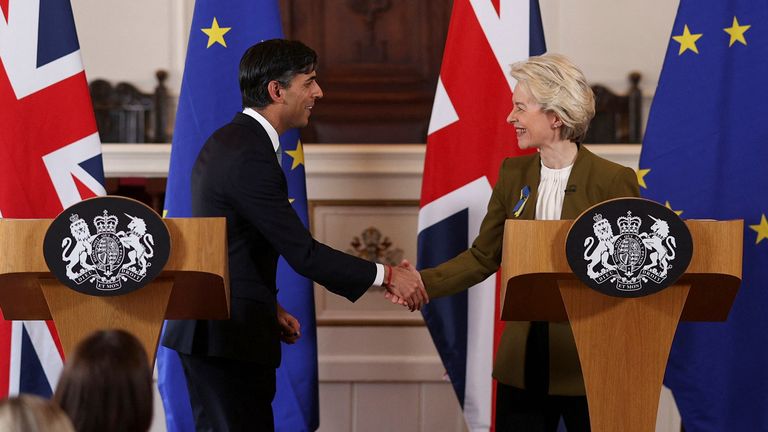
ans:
(553, 105)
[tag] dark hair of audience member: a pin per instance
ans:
(106, 384)
(29, 413)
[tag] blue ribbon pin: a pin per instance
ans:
(525, 192)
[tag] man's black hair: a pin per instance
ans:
(272, 60)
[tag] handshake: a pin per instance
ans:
(404, 286)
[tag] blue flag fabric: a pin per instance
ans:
(705, 155)
(210, 97)
(296, 403)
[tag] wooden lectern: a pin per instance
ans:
(193, 285)
(623, 343)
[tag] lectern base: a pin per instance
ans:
(140, 313)
(623, 346)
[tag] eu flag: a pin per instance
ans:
(210, 96)
(705, 155)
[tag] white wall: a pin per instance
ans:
(130, 40)
(607, 38)
(610, 38)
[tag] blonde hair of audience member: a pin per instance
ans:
(29, 413)
(558, 86)
(106, 384)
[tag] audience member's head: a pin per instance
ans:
(28, 413)
(106, 384)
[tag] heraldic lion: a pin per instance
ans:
(604, 248)
(81, 251)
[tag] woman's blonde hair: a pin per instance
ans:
(28, 413)
(560, 87)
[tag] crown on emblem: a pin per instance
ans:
(629, 224)
(600, 222)
(106, 223)
(74, 217)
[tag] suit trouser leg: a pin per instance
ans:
(519, 410)
(526, 411)
(575, 412)
(229, 395)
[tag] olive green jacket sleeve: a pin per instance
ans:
(483, 258)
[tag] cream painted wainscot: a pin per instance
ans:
(373, 360)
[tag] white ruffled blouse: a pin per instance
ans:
(549, 204)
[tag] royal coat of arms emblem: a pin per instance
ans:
(108, 257)
(622, 258)
(116, 248)
(625, 262)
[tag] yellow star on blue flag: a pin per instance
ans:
(761, 229)
(687, 41)
(669, 206)
(216, 34)
(297, 155)
(736, 32)
(641, 173)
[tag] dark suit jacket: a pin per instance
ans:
(592, 180)
(237, 176)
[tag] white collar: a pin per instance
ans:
(273, 136)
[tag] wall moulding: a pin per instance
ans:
(382, 231)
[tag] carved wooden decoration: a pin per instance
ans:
(617, 117)
(126, 115)
(373, 246)
(370, 48)
(379, 63)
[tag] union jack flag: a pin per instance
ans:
(468, 130)
(51, 157)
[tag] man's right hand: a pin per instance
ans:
(406, 287)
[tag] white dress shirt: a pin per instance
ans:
(271, 131)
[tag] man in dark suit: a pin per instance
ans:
(230, 364)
